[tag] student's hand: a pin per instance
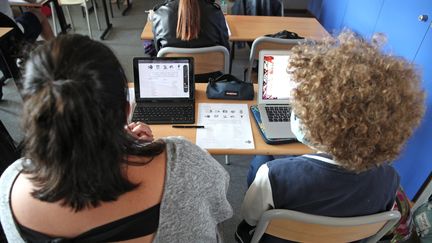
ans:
(140, 131)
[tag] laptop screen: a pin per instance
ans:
(277, 83)
(159, 78)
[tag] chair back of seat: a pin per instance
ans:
(206, 59)
(302, 227)
(72, 2)
(268, 43)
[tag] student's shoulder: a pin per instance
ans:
(286, 161)
(213, 4)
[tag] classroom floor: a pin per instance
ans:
(124, 40)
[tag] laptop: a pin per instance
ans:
(164, 90)
(274, 93)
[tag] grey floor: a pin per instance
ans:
(124, 40)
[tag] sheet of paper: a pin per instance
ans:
(227, 126)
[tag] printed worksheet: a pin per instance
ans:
(226, 126)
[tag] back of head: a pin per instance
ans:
(188, 22)
(74, 115)
(354, 100)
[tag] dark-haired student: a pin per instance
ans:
(350, 104)
(188, 24)
(86, 176)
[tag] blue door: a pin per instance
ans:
(314, 8)
(362, 16)
(415, 163)
(399, 20)
(332, 15)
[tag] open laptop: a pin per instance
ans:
(274, 93)
(164, 90)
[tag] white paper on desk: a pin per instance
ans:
(227, 126)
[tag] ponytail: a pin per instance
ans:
(188, 22)
(74, 117)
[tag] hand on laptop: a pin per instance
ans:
(140, 131)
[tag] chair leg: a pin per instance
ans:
(111, 10)
(88, 19)
(70, 18)
(227, 162)
(96, 14)
(53, 16)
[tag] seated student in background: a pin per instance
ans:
(351, 106)
(189, 24)
(32, 23)
(87, 176)
(257, 7)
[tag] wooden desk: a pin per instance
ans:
(4, 31)
(260, 146)
(39, 3)
(248, 28)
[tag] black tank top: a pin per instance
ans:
(131, 227)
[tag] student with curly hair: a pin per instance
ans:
(86, 176)
(350, 105)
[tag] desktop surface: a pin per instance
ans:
(260, 146)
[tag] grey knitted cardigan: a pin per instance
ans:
(194, 202)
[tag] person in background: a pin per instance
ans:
(350, 106)
(87, 175)
(257, 7)
(189, 24)
(32, 23)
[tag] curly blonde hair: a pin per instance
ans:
(355, 103)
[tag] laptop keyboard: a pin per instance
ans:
(165, 114)
(278, 113)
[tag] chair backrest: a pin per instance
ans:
(302, 227)
(71, 2)
(268, 43)
(206, 59)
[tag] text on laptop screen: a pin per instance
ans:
(164, 78)
(277, 82)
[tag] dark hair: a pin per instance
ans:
(74, 116)
(188, 21)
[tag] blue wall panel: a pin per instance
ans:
(415, 164)
(332, 15)
(362, 16)
(314, 8)
(399, 21)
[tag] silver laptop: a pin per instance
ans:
(274, 93)
(164, 90)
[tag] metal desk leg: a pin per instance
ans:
(232, 53)
(108, 23)
(128, 6)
